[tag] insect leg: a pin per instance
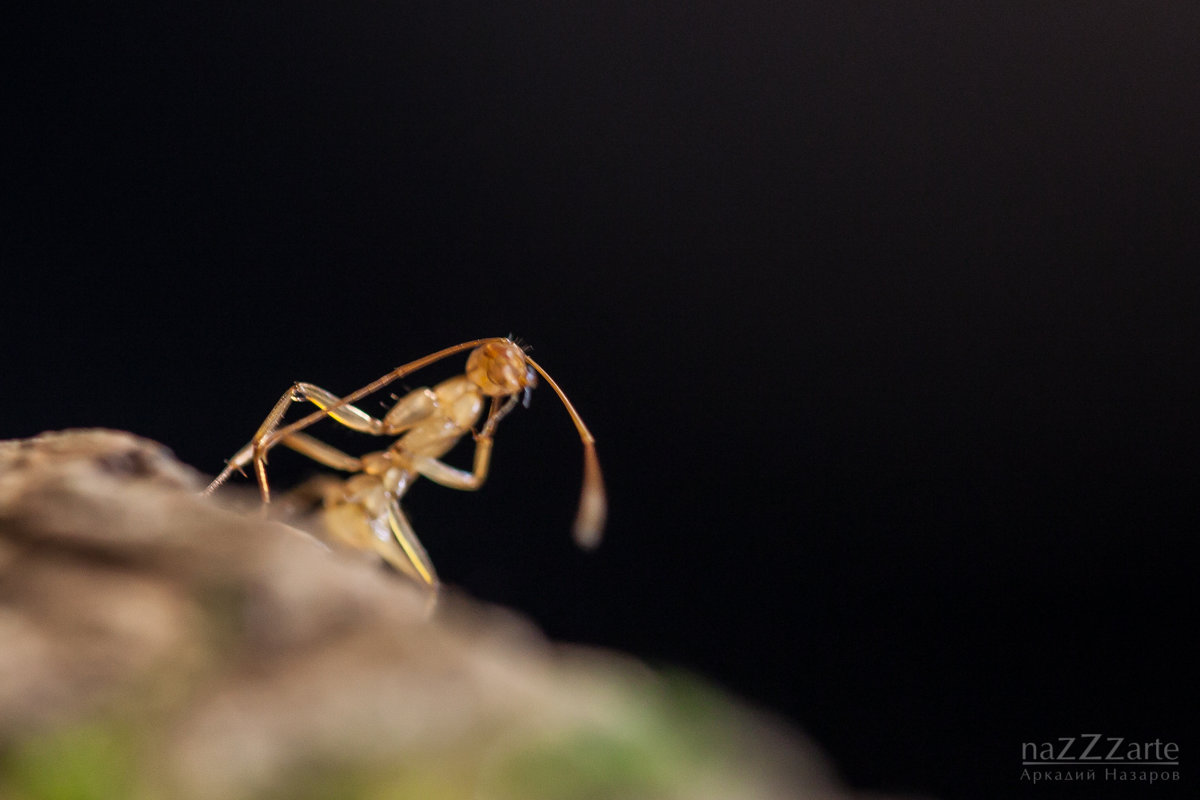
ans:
(256, 451)
(243, 456)
(322, 453)
(454, 478)
(350, 416)
(416, 562)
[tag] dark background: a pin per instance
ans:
(884, 319)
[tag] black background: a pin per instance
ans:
(884, 316)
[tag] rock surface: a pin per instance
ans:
(158, 645)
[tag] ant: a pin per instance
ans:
(364, 510)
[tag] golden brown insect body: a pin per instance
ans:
(364, 511)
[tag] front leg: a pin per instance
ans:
(454, 478)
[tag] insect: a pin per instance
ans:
(364, 510)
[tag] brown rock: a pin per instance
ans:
(196, 652)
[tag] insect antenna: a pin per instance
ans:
(593, 507)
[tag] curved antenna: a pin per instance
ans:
(593, 507)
